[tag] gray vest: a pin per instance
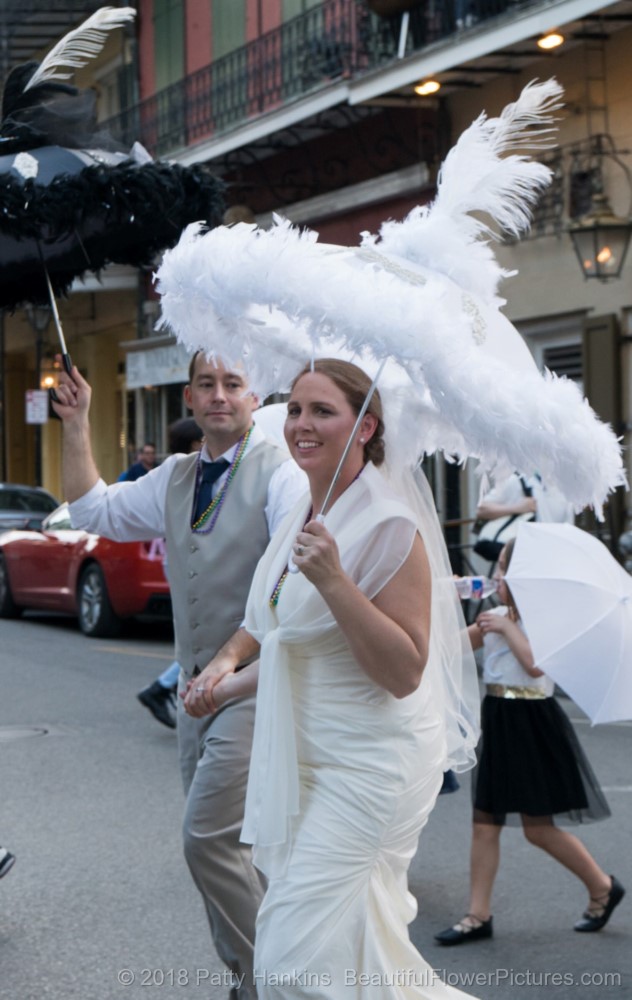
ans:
(210, 574)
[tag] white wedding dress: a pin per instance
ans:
(343, 776)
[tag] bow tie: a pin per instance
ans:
(211, 471)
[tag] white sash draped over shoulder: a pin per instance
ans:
(373, 543)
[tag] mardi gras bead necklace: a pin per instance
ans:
(276, 593)
(206, 522)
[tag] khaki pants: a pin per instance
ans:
(214, 758)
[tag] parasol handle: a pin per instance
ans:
(356, 427)
(291, 565)
(65, 357)
(66, 361)
(58, 326)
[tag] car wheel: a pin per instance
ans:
(96, 617)
(8, 607)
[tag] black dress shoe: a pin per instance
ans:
(450, 784)
(464, 932)
(158, 700)
(591, 922)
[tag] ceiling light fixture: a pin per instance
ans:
(427, 87)
(551, 40)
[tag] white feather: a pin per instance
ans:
(79, 46)
(476, 176)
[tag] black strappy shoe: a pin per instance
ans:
(594, 920)
(466, 932)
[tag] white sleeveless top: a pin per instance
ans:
(500, 666)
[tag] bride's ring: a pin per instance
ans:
(299, 550)
(199, 690)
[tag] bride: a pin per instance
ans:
(358, 709)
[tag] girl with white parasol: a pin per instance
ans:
(530, 765)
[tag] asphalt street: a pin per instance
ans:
(100, 904)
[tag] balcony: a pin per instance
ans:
(336, 42)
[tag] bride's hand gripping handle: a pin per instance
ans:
(291, 565)
(315, 554)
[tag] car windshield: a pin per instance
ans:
(28, 500)
(59, 520)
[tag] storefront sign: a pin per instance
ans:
(36, 406)
(158, 366)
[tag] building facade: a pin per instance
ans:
(309, 109)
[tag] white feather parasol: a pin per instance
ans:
(424, 295)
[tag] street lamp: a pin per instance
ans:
(601, 238)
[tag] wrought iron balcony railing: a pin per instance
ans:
(335, 40)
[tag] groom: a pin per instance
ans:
(217, 512)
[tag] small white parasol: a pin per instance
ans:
(576, 604)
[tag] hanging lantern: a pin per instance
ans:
(601, 240)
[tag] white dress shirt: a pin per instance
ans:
(135, 511)
(551, 505)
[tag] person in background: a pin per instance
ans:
(184, 437)
(146, 462)
(511, 501)
(530, 767)
(517, 495)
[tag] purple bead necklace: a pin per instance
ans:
(206, 522)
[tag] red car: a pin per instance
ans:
(61, 569)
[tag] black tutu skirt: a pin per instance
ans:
(530, 762)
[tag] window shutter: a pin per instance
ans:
(564, 359)
(601, 352)
(602, 367)
(168, 42)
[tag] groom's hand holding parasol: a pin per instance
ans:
(72, 405)
(73, 395)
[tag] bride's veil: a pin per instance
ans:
(451, 661)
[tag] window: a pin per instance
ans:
(115, 87)
(228, 26)
(293, 8)
(26, 500)
(168, 42)
(59, 521)
(556, 343)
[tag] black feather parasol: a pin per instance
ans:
(71, 201)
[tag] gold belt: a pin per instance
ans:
(514, 691)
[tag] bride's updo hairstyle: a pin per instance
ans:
(354, 384)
